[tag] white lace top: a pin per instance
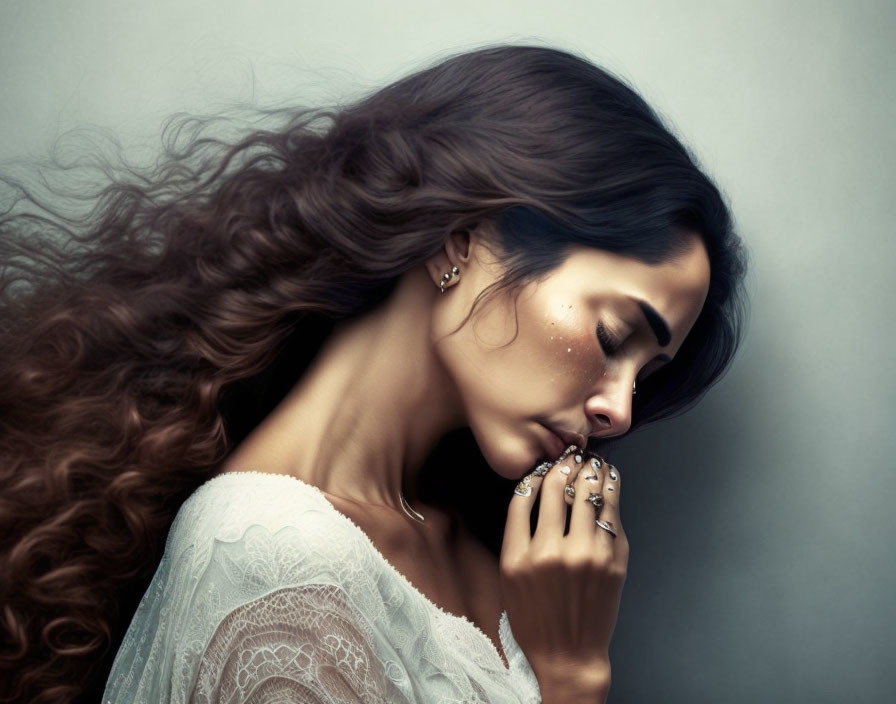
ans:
(267, 594)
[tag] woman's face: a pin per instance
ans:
(559, 364)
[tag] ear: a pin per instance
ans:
(455, 253)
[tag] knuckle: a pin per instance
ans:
(513, 568)
(546, 560)
(601, 561)
(617, 571)
(597, 560)
(580, 562)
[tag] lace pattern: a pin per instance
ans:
(266, 593)
(296, 644)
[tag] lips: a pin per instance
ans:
(554, 444)
(557, 440)
(568, 438)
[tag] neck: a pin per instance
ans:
(363, 418)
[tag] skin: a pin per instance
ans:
(554, 372)
(388, 385)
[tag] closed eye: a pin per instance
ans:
(608, 343)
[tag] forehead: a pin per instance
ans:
(676, 289)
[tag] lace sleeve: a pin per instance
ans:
(302, 644)
(266, 594)
(252, 602)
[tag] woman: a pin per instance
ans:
(281, 331)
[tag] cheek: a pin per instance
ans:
(507, 388)
(567, 348)
(540, 370)
(552, 353)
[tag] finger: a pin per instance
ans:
(517, 529)
(576, 466)
(612, 490)
(591, 481)
(552, 504)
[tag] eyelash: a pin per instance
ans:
(608, 343)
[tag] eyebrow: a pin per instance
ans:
(659, 326)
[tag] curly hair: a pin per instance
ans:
(143, 335)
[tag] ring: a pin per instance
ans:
(596, 500)
(606, 526)
(570, 491)
(523, 488)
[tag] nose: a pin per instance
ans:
(609, 409)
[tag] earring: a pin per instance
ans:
(447, 277)
(634, 387)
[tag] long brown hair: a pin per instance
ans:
(139, 337)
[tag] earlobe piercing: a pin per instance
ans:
(446, 277)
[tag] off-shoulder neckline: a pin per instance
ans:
(503, 621)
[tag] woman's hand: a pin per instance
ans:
(562, 592)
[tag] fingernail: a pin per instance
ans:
(595, 463)
(578, 459)
(564, 470)
(567, 452)
(542, 469)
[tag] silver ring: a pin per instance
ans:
(570, 491)
(606, 526)
(596, 500)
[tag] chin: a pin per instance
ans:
(510, 457)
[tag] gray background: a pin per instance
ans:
(762, 522)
